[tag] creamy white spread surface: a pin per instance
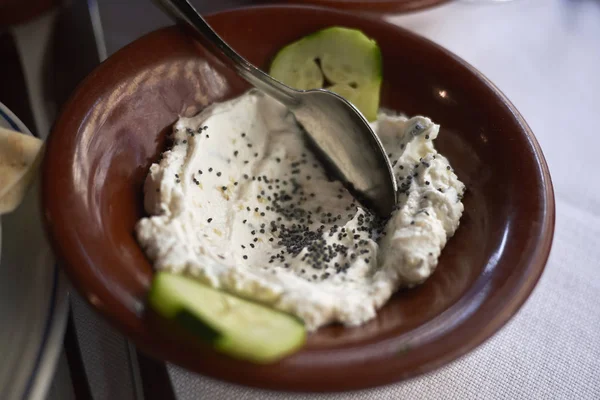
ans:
(239, 203)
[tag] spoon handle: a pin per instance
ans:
(184, 13)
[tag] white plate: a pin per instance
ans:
(33, 297)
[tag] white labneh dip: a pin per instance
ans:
(240, 203)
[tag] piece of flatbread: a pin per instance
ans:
(20, 156)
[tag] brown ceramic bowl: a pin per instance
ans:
(114, 127)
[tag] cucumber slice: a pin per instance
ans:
(342, 60)
(237, 327)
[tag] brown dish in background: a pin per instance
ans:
(14, 12)
(377, 6)
(114, 127)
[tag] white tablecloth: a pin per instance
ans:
(545, 56)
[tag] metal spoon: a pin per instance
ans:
(340, 132)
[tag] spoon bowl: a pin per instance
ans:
(354, 156)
